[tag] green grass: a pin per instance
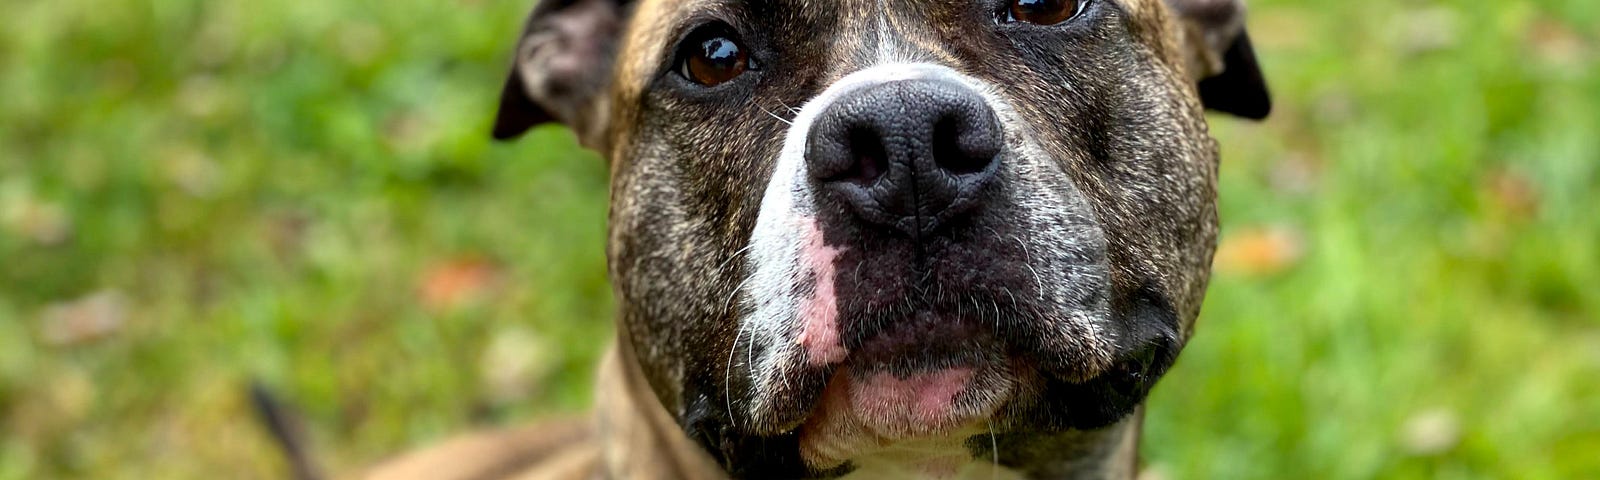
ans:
(265, 190)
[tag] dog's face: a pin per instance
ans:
(842, 226)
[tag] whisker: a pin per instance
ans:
(774, 115)
(994, 302)
(735, 256)
(727, 377)
(786, 106)
(727, 304)
(994, 453)
(727, 371)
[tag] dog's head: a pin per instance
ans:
(840, 225)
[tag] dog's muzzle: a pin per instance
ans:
(919, 265)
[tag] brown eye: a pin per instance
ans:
(1041, 12)
(712, 59)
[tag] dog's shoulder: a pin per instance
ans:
(548, 450)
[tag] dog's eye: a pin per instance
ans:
(1040, 12)
(712, 56)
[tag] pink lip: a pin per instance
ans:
(862, 412)
(919, 404)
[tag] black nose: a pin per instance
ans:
(907, 154)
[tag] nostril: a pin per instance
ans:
(868, 159)
(961, 146)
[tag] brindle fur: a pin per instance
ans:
(1111, 98)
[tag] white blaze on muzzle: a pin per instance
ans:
(792, 312)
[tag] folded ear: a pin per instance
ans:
(1230, 80)
(562, 67)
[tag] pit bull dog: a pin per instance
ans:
(877, 238)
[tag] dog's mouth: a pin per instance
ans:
(928, 376)
(885, 343)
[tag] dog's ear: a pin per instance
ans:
(1222, 57)
(562, 66)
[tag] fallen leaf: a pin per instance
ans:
(87, 319)
(1259, 251)
(1154, 472)
(1429, 29)
(1512, 193)
(1431, 432)
(192, 171)
(71, 394)
(516, 363)
(454, 283)
(44, 222)
(1298, 173)
(1556, 44)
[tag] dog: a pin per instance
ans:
(880, 238)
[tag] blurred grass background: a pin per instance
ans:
(194, 194)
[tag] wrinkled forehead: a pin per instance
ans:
(822, 32)
(839, 36)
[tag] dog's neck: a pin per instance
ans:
(640, 440)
